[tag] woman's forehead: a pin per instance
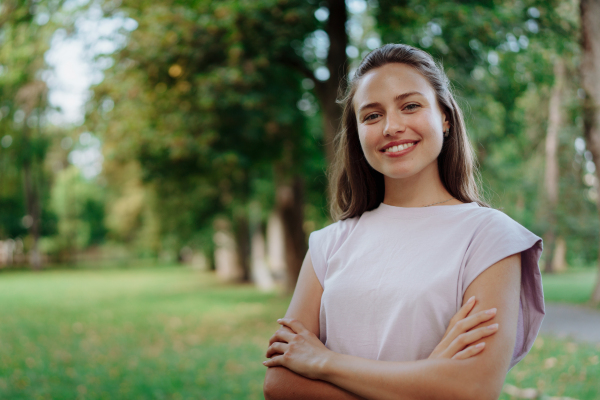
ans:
(390, 80)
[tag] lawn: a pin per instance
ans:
(161, 333)
(174, 333)
(559, 368)
(570, 287)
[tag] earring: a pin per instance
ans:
(446, 132)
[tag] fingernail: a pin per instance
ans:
(480, 345)
(491, 311)
(279, 320)
(471, 299)
(493, 326)
(264, 362)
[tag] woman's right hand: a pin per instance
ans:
(458, 339)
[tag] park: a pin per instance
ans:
(163, 164)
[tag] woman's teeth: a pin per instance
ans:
(394, 149)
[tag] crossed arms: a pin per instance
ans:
(347, 377)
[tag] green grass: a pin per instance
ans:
(173, 333)
(168, 333)
(569, 287)
(559, 368)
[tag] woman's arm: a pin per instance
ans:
(281, 383)
(456, 344)
(480, 377)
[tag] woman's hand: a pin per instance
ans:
(298, 349)
(458, 336)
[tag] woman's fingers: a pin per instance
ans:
(461, 314)
(274, 362)
(293, 324)
(464, 310)
(276, 348)
(461, 334)
(465, 339)
(465, 324)
(469, 352)
(283, 334)
(471, 322)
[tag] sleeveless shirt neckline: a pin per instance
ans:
(420, 212)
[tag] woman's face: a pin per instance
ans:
(400, 125)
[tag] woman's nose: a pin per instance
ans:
(394, 124)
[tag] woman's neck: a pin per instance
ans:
(421, 189)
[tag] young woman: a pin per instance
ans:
(383, 306)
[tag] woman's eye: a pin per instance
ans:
(368, 118)
(412, 107)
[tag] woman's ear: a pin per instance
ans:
(445, 123)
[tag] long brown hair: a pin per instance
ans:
(355, 186)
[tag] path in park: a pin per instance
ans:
(577, 322)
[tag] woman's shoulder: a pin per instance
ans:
(331, 237)
(496, 236)
(325, 242)
(487, 218)
(337, 230)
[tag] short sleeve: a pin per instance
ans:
(498, 237)
(324, 243)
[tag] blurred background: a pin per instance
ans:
(162, 164)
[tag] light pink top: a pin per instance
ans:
(394, 277)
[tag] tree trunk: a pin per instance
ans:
(30, 97)
(560, 253)
(337, 63)
(290, 195)
(276, 247)
(555, 121)
(261, 275)
(227, 264)
(242, 238)
(32, 219)
(290, 203)
(590, 80)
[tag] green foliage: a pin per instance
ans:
(79, 207)
(23, 102)
(10, 218)
(205, 108)
(199, 114)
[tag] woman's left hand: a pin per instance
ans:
(299, 350)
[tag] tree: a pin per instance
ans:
(590, 82)
(24, 38)
(555, 122)
(79, 206)
(327, 89)
(198, 101)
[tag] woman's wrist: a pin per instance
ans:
(328, 365)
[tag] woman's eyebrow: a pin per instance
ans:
(397, 98)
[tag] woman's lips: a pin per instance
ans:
(402, 152)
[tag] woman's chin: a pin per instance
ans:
(409, 170)
(399, 174)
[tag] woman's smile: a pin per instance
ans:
(398, 150)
